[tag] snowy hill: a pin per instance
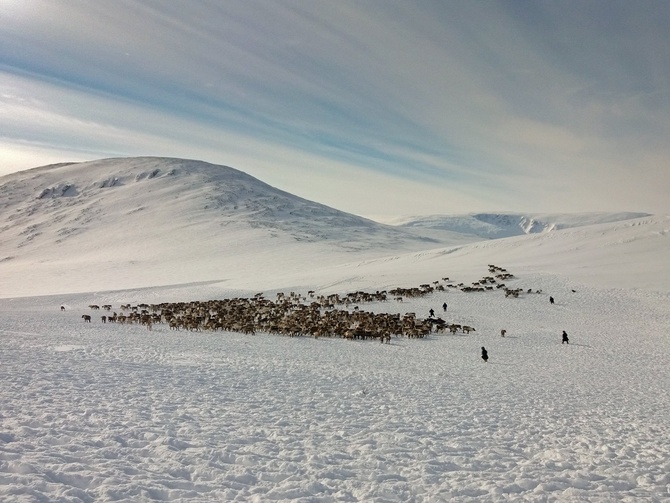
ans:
(52, 205)
(624, 254)
(155, 216)
(144, 222)
(504, 225)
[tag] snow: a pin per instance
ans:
(116, 412)
(504, 225)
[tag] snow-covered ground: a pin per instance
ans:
(496, 225)
(115, 412)
(103, 412)
(126, 223)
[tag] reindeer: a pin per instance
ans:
(146, 320)
(86, 318)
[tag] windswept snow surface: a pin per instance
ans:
(94, 412)
(115, 412)
(111, 412)
(505, 225)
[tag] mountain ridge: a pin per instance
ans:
(504, 225)
(115, 224)
(253, 200)
(197, 190)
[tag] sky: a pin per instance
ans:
(376, 108)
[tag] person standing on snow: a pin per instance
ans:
(485, 355)
(444, 306)
(565, 338)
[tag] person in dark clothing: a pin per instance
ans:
(565, 338)
(551, 300)
(485, 355)
(444, 306)
(432, 313)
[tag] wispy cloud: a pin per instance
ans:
(436, 107)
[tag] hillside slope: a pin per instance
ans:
(52, 205)
(626, 254)
(145, 222)
(504, 225)
(167, 220)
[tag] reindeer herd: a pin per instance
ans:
(312, 315)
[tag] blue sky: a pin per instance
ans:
(373, 107)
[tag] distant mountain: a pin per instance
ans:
(129, 223)
(504, 225)
(143, 197)
(170, 220)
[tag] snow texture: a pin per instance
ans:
(116, 412)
